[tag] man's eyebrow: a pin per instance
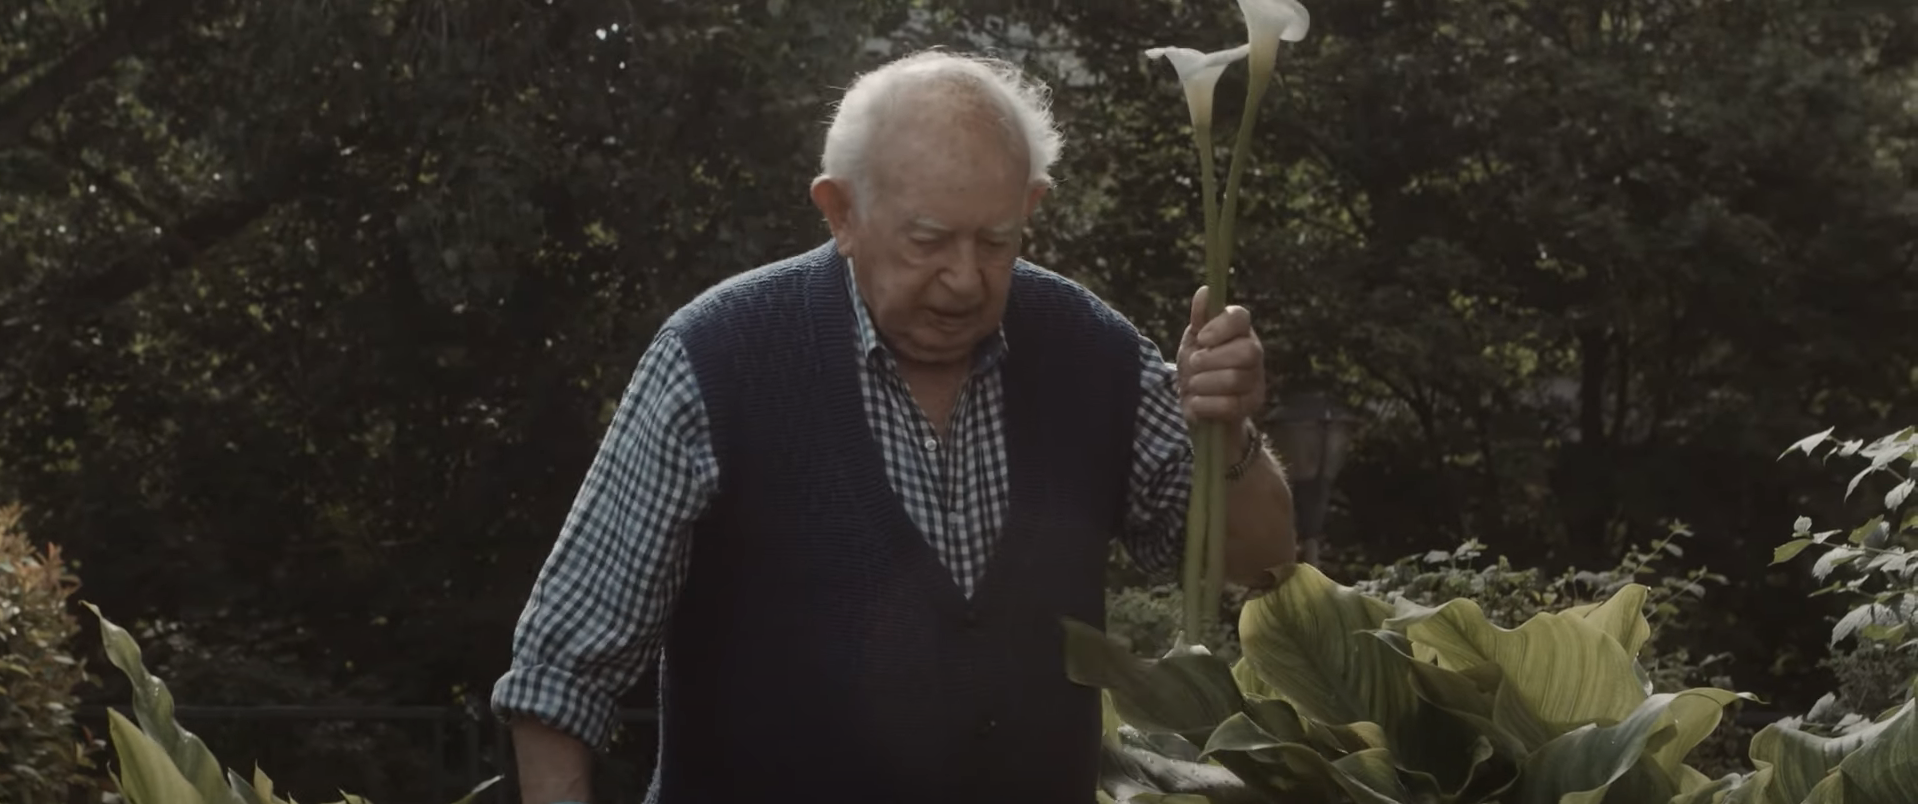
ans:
(923, 222)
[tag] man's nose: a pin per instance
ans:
(965, 277)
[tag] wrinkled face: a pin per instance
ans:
(934, 244)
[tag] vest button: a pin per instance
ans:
(972, 618)
(985, 727)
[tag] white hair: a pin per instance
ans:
(1019, 104)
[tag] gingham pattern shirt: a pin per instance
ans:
(598, 612)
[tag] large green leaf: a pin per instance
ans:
(1281, 763)
(1563, 669)
(1367, 777)
(1694, 714)
(1470, 696)
(1250, 684)
(147, 774)
(1581, 766)
(1241, 734)
(1885, 769)
(1753, 789)
(1622, 617)
(1799, 759)
(1480, 741)
(1511, 717)
(1187, 692)
(153, 707)
(1280, 718)
(1309, 640)
(1131, 772)
(1317, 645)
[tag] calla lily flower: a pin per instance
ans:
(1269, 22)
(1199, 75)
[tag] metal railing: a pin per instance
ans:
(477, 762)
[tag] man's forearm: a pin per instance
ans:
(1260, 533)
(553, 765)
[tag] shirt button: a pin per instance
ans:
(932, 444)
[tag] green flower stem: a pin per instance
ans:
(1215, 522)
(1254, 92)
(1198, 506)
(1209, 471)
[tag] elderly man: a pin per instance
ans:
(850, 494)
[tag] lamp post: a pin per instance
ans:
(1312, 437)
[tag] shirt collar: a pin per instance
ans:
(873, 347)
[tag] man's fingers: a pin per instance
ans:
(1234, 322)
(1221, 382)
(1237, 354)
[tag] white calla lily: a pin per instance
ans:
(1199, 74)
(1272, 22)
(1269, 22)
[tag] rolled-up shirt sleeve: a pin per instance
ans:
(1161, 475)
(596, 616)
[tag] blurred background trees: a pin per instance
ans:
(312, 311)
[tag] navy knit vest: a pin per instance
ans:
(819, 649)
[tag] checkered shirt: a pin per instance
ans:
(596, 617)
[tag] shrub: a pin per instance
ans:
(39, 758)
(1146, 619)
(1875, 566)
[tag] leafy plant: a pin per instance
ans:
(1511, 595)
(1344, 697)
(1876, 764)
(1875, 565)
(39, 760)
(160, 762)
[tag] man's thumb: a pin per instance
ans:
(1198, 310)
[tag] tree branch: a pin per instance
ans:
(177, 247)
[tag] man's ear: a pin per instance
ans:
(834, 200)
(1033, 196)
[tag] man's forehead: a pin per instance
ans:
(930, 223)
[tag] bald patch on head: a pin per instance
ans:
(946, 118)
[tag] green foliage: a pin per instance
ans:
(1146, 617)
(1872, 566)
(1876, 763)
(1510, 596)
(1344, 697)
(39, 675)
(160, 762)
